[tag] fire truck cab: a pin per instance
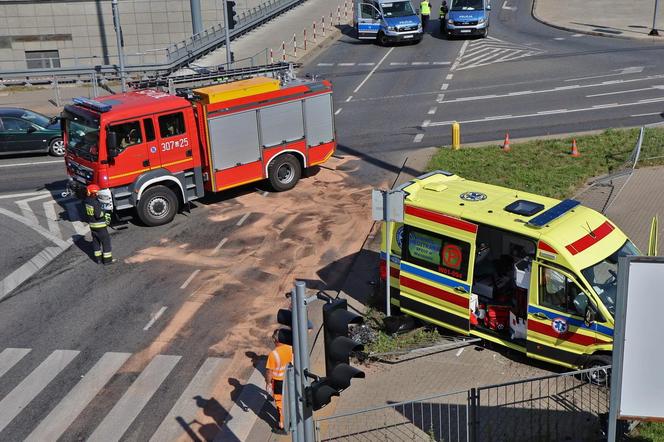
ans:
(529, 272)
(152, 151)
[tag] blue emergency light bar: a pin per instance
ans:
(92, 104)
(555, 212)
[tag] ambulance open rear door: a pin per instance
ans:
(435, 277)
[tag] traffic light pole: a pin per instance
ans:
(228, 37)
(298, 434)
(301, 324)
(120, 40)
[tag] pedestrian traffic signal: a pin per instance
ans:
(230, 14)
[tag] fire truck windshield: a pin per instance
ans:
(82, 134)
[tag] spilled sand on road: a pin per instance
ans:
(308, 233)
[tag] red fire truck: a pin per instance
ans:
(152, 151)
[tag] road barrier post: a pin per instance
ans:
(283, 51)
(305, 39)
(456, 136)
(322, 24)
(314, 27)
(294, 46)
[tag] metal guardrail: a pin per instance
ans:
(567, 406)
(178, 54)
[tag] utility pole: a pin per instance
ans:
(120, 41)
(653, 31)
(196, 17)
(228, 37)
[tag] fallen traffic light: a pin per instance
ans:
(338, 348)
(230, 14)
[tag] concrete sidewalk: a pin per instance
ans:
(608, 18)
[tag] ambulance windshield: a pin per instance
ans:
(603, 276)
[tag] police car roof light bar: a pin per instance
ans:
(555, 212)
(92, 104)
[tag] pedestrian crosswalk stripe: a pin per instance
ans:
(10, 357)
(118, 420)
(186, 407)
(35, 382)
(57, 422)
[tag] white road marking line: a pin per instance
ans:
(621, 92)
(186, 406)
(444, 86)
(243, 219)
(459, 351)
(418, 138)
(432, 110)
(449, 76)
(10, 357)
(155, 317)
(512, 94)
(420, 63)
(52, 218)
(578, 35)
(564, 88)
(190, 278)
(74, 218)
(36, 227)
(498, 117)
(555, 111)
(373, 70)
(349, 98)
(345, 64)
(18, 276)
(559, 38)
(440, 98)
(338, 111)
(486, 59)
(459, 56)
(507, 7)
(219, 246)
(58, 420)
(442, 63)
(646, 115)
(27, 212)
(242, 418)
(36, 163)
(425, 123)
(121, 416)
(398, 63)
(33, 384)
(599, 106)
(20, 195)
(325, 64)
(366, 64)
(623, 71)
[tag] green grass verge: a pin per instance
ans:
(385, 343)
(650, 431)
(545, 167)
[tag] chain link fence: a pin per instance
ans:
(569, 406)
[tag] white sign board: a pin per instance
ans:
(387, 205)
(637, 383)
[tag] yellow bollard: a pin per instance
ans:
(456, 136)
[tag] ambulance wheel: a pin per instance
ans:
(599, 377)
(284, 172)
(157, 206)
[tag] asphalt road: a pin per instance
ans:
(526, 78)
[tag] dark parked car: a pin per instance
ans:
(23, 131)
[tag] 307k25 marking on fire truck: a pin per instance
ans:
(152, 152)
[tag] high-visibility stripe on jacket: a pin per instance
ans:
(424, 8)
(97, 218)
(278, 360)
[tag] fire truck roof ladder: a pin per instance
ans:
(216, 75)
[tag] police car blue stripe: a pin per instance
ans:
(438, 279)
(572, 321)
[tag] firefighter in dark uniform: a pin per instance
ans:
(98, 220)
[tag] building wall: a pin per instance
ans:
(82, 31)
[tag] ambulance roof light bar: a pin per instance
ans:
(92, 104)
(556, 211)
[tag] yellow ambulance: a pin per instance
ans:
(525, 271)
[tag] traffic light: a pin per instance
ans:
(285, 317)
(338, 347)
(230, 14)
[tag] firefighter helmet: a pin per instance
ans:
(92, 189)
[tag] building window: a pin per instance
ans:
(42, 59)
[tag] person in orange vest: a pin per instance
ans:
(275, 370)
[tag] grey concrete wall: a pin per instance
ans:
(82, 31)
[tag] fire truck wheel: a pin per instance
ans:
(284, 172)
(157, 206)
(56, 147)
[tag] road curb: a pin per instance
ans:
(583, 31)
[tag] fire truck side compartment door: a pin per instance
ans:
(234, 140)
(319, 122)
(436, 269)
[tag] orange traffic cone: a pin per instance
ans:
(506, 143)
(575, 151)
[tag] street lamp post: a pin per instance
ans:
(227, 36)
(120, 42)
(653, 31)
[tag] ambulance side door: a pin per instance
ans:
(435, 272)
(556, 328)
